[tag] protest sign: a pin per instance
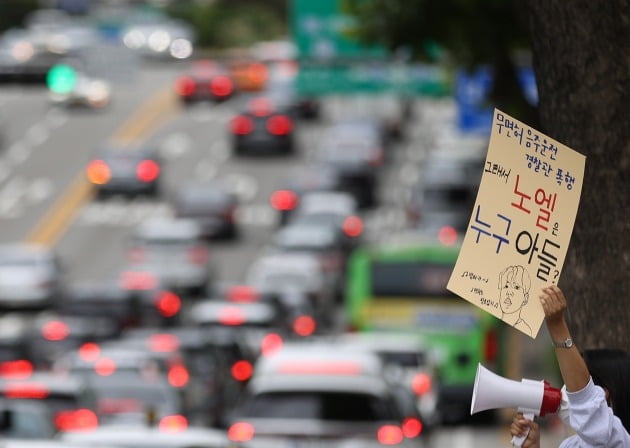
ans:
(521, 223)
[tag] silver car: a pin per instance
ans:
(31, 277)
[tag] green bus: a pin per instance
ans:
(402, 287)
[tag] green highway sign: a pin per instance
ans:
(373, 77)
(61, 78)
(320, 32)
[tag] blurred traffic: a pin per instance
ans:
(198, 252)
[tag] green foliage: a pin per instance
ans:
(225, 24)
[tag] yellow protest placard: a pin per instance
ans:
(521, 224)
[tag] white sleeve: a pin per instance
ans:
(593, 421)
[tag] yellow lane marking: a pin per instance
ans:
(147, 118)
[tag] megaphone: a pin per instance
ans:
(529, 397)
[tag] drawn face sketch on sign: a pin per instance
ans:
(514, 285)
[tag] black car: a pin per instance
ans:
(212, 205)
(355, 149)
(299, 181)
(262, 129)
(205, 80)
(126, 171)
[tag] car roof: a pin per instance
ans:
(57, 383)
(141, 436)
(22, 250)
(168, 228)
(313, 366)
(327, 201)
(277, 262)
(215, 311)
(381, 340)
(305, 235)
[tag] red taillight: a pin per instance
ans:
(352, 226)
(19, 369)
(89, 352)
(242, 293)
(284, 200)
(168, 303)
(105, 366)
(389, 435)
(178, 375)
(98, 172)
(241, 125)
(76, 420)
(221, 86)
(231, 316)
(270, 344)
(411, 427)
(173, 423)
(198, 255)
(490, 346)
(185, 86)
(421, 384)
(447, 236)
(242, 370)
(279, 125)
(163, 343)
(55, 330)
(148, 170)
(26, 390)
(304, 325)
(241, 432)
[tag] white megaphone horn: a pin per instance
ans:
(529, 397)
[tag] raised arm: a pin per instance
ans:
(572, 366)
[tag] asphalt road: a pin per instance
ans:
(44, 197)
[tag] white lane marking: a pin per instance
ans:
(56, 118)
(37, 134)
(10, 197)
(120, 212)
(205, 170)
(18, 152)
(220, 150)
(5, 169)
(39, 190)
(19, 193)
(175, 145)
(244, 186)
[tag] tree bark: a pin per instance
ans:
(582, 62)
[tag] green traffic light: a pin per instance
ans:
(61, 78)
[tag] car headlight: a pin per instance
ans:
(134, 39)
(159, 41)
(181, 48)
(22, 51)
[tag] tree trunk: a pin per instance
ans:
(582, 63)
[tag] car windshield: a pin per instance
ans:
(331, 406)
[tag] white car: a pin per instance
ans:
(320, 395)
(31, 277)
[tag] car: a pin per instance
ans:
(132, 399)
(322, 395)
(135, 298)
(15, 334)
(281, 90)
(212, 205)
(205, 80)
(408, 360)
(261, 128)
(87, 91)
(124, 170)
(31, 276)
(279, 272)
(156, 37)
(53, 335)
(69, 398)
(172, 432)
(356, 150)
(26, 419)
(249, 74)
(299, 181)
(335, 209)
(441, 201)
(174, 251)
